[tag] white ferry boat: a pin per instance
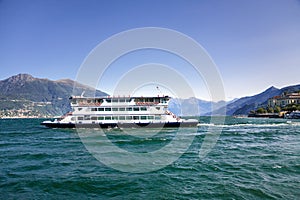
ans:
(120, 112)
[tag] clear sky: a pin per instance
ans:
(255, 44)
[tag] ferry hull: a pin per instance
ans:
(121, 125)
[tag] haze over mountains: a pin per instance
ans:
(23, 93)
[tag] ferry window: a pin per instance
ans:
(114, 117)
(157, 117)
(87, 117)
(143, 117)
(136, 109)
(100, 100)
(108, 100)
(73, 119)
(93, 118)
(74, 101)
(100, 109)
(121, 117)
(93, 109)
(122, 100)
(115, 100)
(80, 118)
(88, 101)
(79, 109)
(136, 118)
(150, 117)
(107, 109)
(143, 109)
(114, 109)
(121, 109)
(157, 108)
(100, 118)
(107, 118)
(129, 109)
(156, 100)
(129, 117)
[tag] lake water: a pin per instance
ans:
(252, 159)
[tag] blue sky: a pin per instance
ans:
(255, 44)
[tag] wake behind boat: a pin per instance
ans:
(120, 112)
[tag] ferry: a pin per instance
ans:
(120, 112)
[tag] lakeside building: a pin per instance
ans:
(284, 99)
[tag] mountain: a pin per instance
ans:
(244, 105)
(25, 96)
(39, 97)
(193, 106)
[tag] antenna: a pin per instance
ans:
(158, 90)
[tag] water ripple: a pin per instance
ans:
(253, 159)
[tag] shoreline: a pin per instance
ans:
(33, 117)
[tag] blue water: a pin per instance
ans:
(252, 159)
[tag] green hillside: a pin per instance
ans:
(24, 95)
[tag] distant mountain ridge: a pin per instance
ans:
(241, 106)
(40, 96)
(244, 105)
(193, 106)
(32, 96)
